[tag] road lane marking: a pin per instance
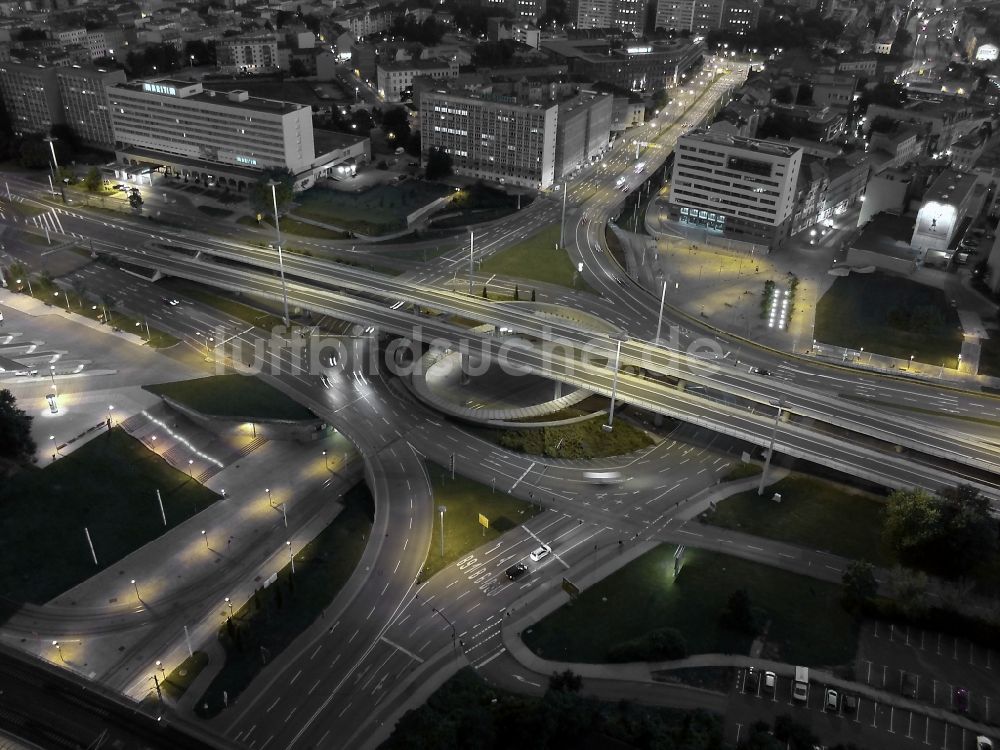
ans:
(404, 650)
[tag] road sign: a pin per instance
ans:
(484, 521)
(570, 588)
(678, 559)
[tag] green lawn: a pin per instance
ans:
(280, 613)
(807, 624)
(379, 210)
(575, 441)
(293, 226)
(466, 712)
(536, 258)
(889, 315)
(989, 357)
(233, 396)
(465, 499)
(477, 204)
(220, 301)
(108, 486)
(813, 513)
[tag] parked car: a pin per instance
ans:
(770, 682)
(516, 571)
(832, 701)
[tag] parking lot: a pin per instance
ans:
(939, 664)
(873, 725)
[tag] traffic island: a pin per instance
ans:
(475, 515)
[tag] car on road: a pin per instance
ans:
(832, 700)
(171, 302)
(758, 371)
(770, 682)
(540, 553)
(516, 570)
(850, 703)
(960, 700)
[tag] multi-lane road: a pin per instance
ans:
(384, 631)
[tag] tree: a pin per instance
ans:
(859, 585)
(969, 531)
(567, 681)
(438, 164)
(16, 443)
(738, 614)
(797, 736)
(912, 522)
(909, 590)
(396, 126)
(261, 199)
(93, 180)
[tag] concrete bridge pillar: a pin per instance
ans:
(465, 368)
(558, 390)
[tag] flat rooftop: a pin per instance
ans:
(219, 97)
(888, 235)
(772, 148)
(951, 187)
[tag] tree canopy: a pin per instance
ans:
(16, 443)
(438, 164)
(946, 534)
(260, 196)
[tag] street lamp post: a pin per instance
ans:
(281, 262)
(770, 451)
(55, 165)
(59, 649)
(230, 606)
(27, 280)
(136, 587)
(614, 383)
(472, 254)
(562, 223)
(204, 535)
(291, 557)
(268, 491)
(326, 461)
(284, 515)
(441, 510)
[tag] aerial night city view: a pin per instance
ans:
(499, 375)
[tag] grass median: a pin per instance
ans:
(539, 258)
(109, 487)
(806, 623)
(294, 227)
(813, 513)
(233, 396)
(465, 500)
(223, 303)
(267, 624)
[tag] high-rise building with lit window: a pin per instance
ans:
(627, 15)
(743, 187)
(703, 16)
(491, 137)
(83, 92)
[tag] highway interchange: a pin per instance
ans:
(385, 631)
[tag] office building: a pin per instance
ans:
(583, 130)
(639, 66)
(83, 92)
(742, 187)
(948, 207)
(219, 136)
(491, 137)
(30, 95)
